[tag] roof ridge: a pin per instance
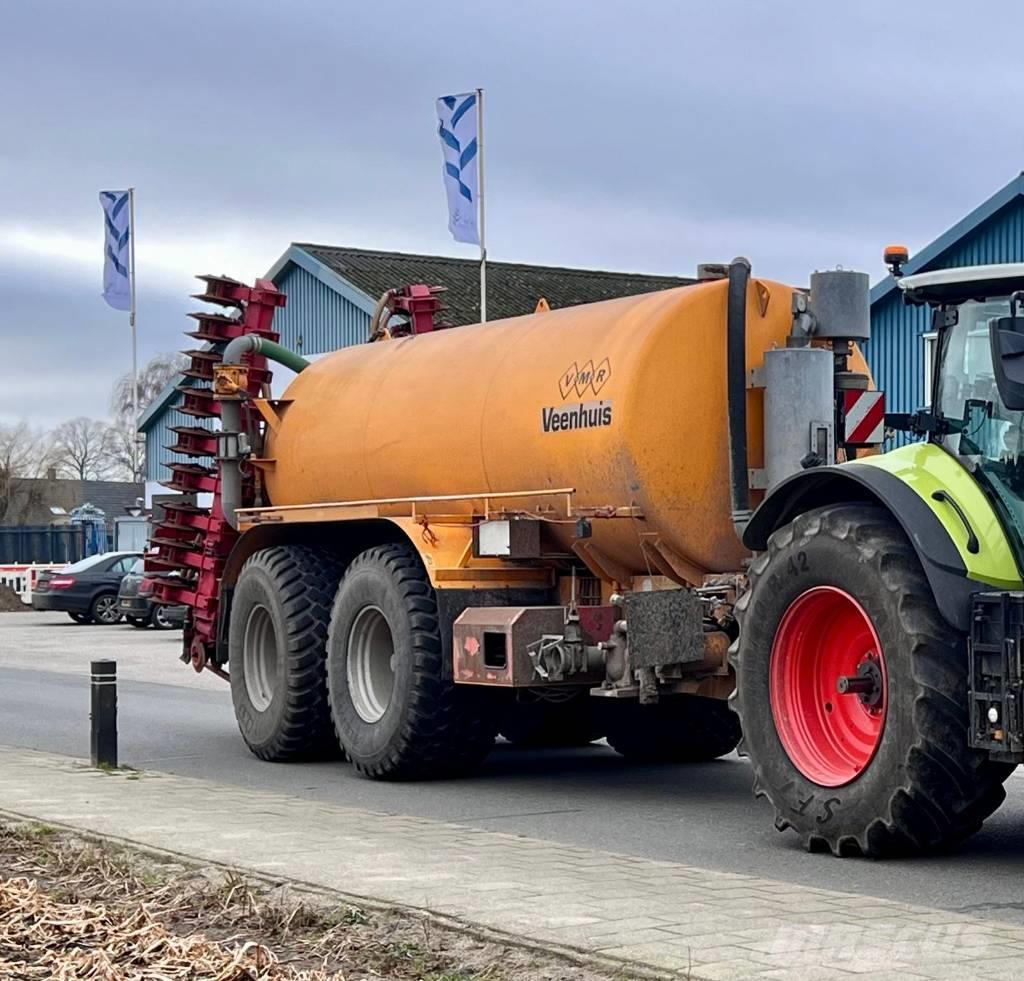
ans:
(428, 257)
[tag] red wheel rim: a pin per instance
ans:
(826, 635)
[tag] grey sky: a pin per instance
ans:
(643, 136)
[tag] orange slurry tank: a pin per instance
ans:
(624, 401)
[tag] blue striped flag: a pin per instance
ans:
(117, 233)
(458, 131)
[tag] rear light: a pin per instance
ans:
(146, 587)
(62, 582)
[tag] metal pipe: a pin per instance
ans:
(376, 330)
(736, 375)
(230, 440)
(230, 465)
(254, 344)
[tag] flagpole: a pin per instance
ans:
(131, 324)
(480, 201)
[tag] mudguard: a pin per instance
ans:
(903, 482)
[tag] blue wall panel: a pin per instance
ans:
(160, 437)
(316, 319)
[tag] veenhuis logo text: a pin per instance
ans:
(582, 381)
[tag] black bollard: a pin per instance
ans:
(103, 736)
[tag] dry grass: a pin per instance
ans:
(73, 911)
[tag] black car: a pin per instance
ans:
(138, 605)
(87, 590)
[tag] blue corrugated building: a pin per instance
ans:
(332, 293)
(902, 343)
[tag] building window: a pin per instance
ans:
(931, 346)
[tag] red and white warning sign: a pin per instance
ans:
(865, 417)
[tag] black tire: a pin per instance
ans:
(103, 609)
(427, 726)
(158, 620)
(293, 586)
(923, 788)
(545, 724)
(140, 623)
(82, 618)
(677, 729)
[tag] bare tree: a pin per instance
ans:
(126, 452)
(153, 378)
(128, 448)
(82, 449)
(24, 454)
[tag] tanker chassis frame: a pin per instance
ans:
(867, 659)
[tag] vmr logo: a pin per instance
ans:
(579, 381)
(583, 379)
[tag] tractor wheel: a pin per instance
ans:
(277, 641)
(544, 724)
(678, 729)
(839, 603)
(396, 716)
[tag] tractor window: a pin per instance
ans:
(991, 440)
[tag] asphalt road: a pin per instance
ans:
(171, 719)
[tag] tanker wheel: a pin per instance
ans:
(395, 715)
(883, 768)
(542, 723)
(678, 729)
(277, 639)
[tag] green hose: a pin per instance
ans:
(280, 354)
(254, 344)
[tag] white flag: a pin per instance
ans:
(458, 130)
(117, 233)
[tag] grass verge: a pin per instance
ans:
(73, 909)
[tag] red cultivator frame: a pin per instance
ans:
(192, 543)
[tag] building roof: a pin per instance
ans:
(513, 288)
(32, 498)
(920, 261)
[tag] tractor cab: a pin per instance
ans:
(976, 410)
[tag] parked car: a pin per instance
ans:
(138, 605)
(86, 590)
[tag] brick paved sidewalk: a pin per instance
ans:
(661, 915)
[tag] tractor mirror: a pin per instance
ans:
(1006, 337)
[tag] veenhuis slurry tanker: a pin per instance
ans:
(662, 520)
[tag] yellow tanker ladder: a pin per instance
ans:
(192, 542)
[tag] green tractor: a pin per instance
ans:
(879, 666)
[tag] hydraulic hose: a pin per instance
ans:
(736, 376)
(231, 415)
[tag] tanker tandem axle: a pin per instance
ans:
(662, 520)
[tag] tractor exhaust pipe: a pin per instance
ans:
(736, 375)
